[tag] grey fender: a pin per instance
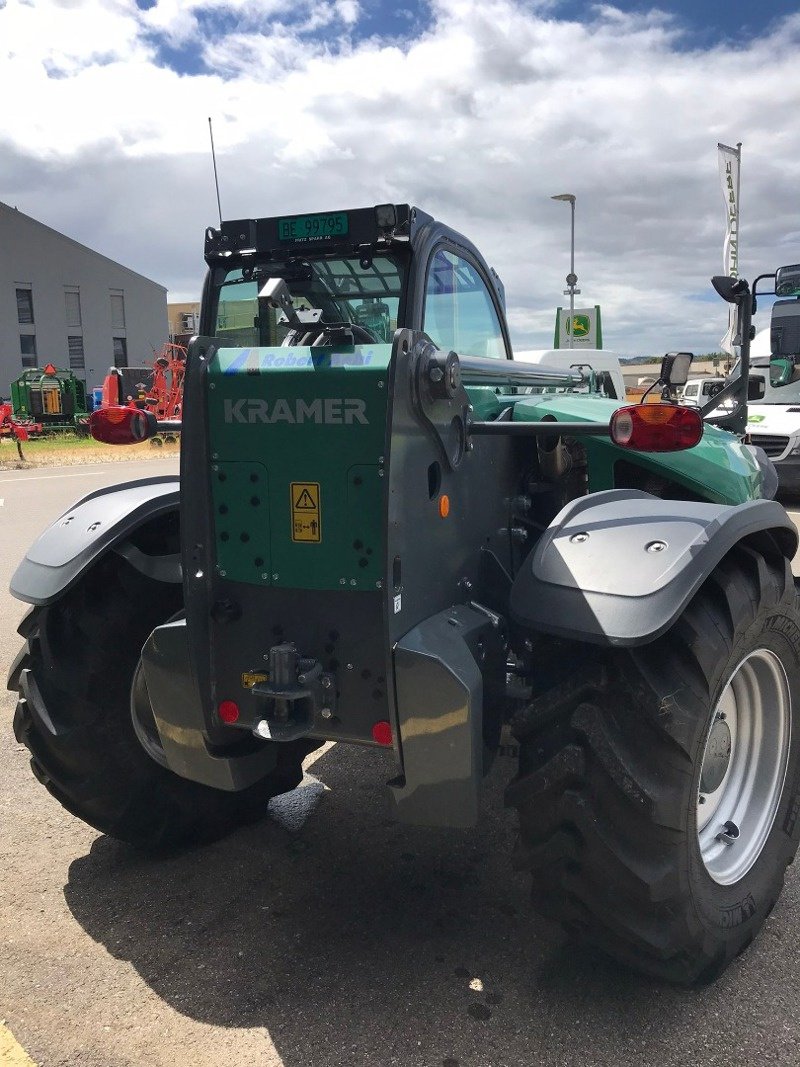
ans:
(619, 567)
(96, 524)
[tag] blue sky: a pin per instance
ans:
(478, 111)
(695, 25)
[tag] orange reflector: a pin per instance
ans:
(382, 733)
(228, 711)
(656, 427)
(444, 505)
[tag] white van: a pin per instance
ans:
(773, 423)
(605, 364)
(698, 391)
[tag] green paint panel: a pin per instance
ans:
(240, 492)
(720, 468)
(301, 415)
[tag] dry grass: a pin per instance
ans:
(70, 450)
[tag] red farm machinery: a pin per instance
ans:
(157, 389)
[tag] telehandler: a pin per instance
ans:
(388, 533)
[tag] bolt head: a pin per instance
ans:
(655, 546)
(326, 713)
(579, 538)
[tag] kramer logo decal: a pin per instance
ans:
(330, 412)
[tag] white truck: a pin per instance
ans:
(773, 422)
(605, 365)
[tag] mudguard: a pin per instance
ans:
(618, 567)
(95, 524)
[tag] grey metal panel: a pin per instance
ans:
(439, 699)
(88, 529)
(178, 712)
(618, 567)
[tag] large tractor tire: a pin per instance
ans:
(74, 678)
(658, 814)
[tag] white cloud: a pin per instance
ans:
(477, 120)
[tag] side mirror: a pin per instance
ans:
(780, 372)
(756, 387)
(730, 289)
(787, 280)
(675, 367)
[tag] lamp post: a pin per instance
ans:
(572, 277)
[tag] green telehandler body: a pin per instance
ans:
(387, 532)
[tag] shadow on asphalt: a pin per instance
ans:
(358, 941)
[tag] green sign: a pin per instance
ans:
(579, 326)
(312, 227)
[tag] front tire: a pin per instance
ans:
(659, 814)
(74, 680)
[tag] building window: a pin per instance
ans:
(120, 352)
(75, 347)
(117, 309)
(72, 301)
(27, 346)
(25, 307)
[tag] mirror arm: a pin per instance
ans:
(745, 318)
(730, 420)
(731, 390)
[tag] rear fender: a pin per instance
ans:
(619, 567)
(100, 522)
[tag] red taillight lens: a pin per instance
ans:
(656, 427)
(121, 425)
(382, 733)
(228, 711)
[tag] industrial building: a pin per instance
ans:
(65, 304)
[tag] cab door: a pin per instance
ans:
(460, 312)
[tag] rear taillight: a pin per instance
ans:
(656, 427)
(122, 425)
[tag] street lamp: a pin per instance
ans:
(572, 277)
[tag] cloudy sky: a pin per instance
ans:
(475, 110)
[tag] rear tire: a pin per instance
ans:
(74, 680)
(622, 798)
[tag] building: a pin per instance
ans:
(62, 303)
(184, 322)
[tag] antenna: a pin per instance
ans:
(214, 161)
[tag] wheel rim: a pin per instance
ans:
(744, 767)
(143, 719)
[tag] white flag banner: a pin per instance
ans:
(729, 162)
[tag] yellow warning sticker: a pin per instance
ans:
(306, 511)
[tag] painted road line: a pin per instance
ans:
(46, 477)
(12, 1054)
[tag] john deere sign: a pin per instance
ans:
(583, 325)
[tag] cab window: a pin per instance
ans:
(459, 312)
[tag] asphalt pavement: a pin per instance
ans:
(326, 935)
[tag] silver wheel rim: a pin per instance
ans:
(739, 792)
